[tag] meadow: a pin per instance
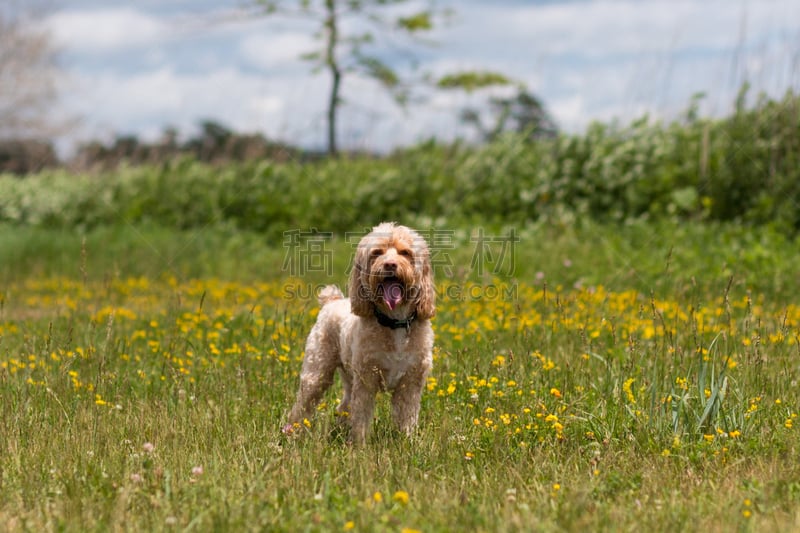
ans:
(603, 377)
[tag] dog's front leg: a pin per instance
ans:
(364, 388)
(406, 399)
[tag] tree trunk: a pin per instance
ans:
(336, 73)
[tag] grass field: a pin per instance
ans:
(599, 378)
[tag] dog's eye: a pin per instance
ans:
(405, 253)
(376, 252)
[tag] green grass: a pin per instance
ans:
(623, 378)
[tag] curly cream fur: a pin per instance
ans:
(371, 357)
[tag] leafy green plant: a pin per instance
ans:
(742, 168)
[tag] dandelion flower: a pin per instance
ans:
(746, 512)
(401, 496)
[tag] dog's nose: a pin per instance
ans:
(390, 266)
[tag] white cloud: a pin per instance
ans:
(146, 102)
(105, 29)
(570, 110)
(266, 105)
(267, 49)
(604, 28)
(163, 97)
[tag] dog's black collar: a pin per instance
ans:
(389, 322)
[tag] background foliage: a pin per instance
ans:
(745, 167)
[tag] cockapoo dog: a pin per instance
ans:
(380, 338)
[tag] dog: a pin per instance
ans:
(380, 339)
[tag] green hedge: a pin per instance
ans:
(745, 167)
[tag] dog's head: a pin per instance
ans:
(392, 272)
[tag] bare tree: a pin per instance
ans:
(341, 53)
(28, 75)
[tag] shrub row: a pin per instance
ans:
(745, 167)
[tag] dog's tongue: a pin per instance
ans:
(392, 293)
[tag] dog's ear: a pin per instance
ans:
(360, 303)
(426, 301)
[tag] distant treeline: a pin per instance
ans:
(745, 167)
(213, 144)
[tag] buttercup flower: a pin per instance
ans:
(401, 496)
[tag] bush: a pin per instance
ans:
(743, 168)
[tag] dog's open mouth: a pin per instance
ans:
(391, 291)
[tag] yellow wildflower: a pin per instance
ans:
(401, 496)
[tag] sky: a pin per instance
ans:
(137, 67)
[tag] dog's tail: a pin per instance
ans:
(329, 293)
